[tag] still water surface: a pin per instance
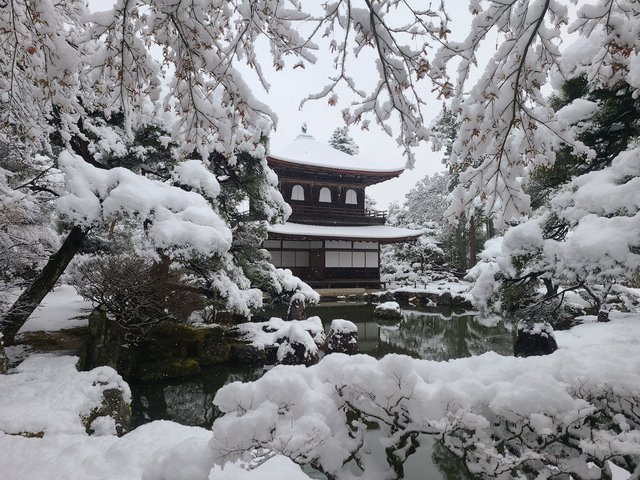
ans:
(432, 334)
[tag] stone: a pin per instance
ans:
(296, 307)
(343, 337)
(248, 354)
(388, 311)
(458, 301)
(386, 296)
(534, 340)
(167, 369)
(296, 353)
(172, 340)
(444, 300)
(216, 346)
(603, 316)
(113, 406)
(106, 346)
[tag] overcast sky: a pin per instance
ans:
(289, 86)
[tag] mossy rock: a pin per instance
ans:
(247, 354)
(71, 339)
(114, 406)
(167, 369)
(458, 301)
(210, 345)
(172, 340)
(216, 346)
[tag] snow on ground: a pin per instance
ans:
(278, 467)
(71, 457)
(47, 394)
(61, 308)
(439, 287)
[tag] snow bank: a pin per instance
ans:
(79, 457)
(305, 414)
(47, 394)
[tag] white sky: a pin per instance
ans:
(289, 86)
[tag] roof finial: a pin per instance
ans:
(304, 127)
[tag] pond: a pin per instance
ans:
(429, 334)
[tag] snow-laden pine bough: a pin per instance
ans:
(602, 211)
(570, 412)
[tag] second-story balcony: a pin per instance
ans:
(326, 215)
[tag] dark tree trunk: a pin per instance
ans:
(24, 306)
(473, 247)
(551, 288)
(461, 240)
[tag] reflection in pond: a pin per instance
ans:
(433, 335)
(188, 401)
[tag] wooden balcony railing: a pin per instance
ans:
(325, 215)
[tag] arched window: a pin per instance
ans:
(325, 195)
(351, 198)
(297, 192)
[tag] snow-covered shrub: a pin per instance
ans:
(137, 292)
(505, 417)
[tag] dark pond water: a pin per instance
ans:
(433, 335)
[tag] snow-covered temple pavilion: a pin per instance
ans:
(331, 239)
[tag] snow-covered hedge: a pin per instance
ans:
(566, 412)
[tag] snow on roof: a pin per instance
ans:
(306, 150)
(368, 232)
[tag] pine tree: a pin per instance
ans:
(341, 140)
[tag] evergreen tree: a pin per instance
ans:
(341, 140)
(415, 262)
(575, 201)
(461, 237)
(28, 189)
